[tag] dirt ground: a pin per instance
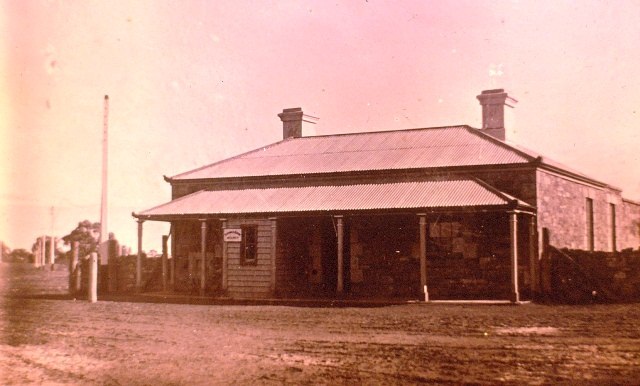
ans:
(116, 343)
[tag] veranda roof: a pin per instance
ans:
(420, 195)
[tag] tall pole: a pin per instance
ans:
(105, 163)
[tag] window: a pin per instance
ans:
(613, 226)
(249, 245)
(589, 209)
(445, 240)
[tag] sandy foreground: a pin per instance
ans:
(117, 343)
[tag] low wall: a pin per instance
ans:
(578, 276)
(120, 275)
(125, 271)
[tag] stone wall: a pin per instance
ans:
(126, 274)
(583, 277)
(562, 209)
(486, 278)
(384, 258)
(520, 183)
(628, 224)
(123, 273)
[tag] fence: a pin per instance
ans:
(576, 276)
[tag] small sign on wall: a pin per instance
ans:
(232, 235)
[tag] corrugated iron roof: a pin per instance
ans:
(361, 197)
(384, 150)
(546, 161)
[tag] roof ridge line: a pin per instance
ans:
(500, 143)
(386, 131)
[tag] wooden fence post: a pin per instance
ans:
(93, 278)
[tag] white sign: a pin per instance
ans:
(233, 235)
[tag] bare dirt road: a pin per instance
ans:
(117, 343)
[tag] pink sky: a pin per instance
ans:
(193, 82)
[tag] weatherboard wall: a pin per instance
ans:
(250, 281)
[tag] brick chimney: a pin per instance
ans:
(292, 122)
(493, 102)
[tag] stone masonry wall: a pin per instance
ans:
(518, 183)
(629, 226)
(585, 277)
(385, 263)
(562, 210)
(125, 275)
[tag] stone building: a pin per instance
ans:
(436, 213)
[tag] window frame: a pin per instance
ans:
(442, 236)
(590, 224)
(249, 245)
(612, 208)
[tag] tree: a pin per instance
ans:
(5, 251)
(86, 234)
(19, 255)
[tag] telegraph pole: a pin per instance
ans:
(104, 236)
